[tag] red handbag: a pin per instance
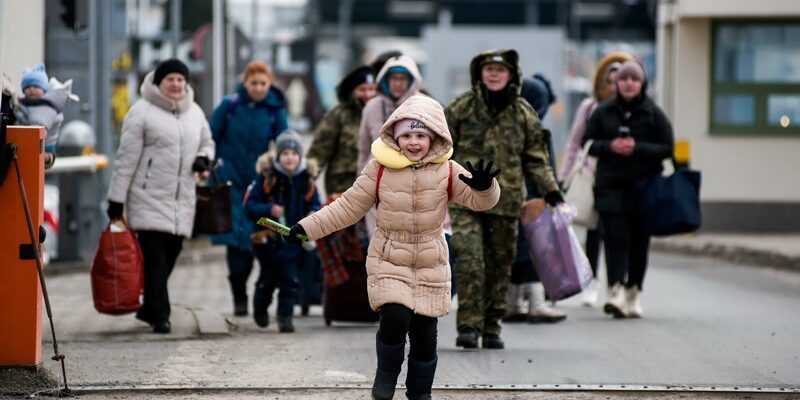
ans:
(117, 272)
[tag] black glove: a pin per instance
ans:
(114, 210)
(295, 233)
(201, 164)
(553, 198)
(481, 177)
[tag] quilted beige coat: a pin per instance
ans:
(407, 260)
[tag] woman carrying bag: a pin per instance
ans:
(243, 126)
(604, 88)
(165, 141)
(631, 137)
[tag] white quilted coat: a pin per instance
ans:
(153, 169)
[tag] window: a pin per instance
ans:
(756, 78)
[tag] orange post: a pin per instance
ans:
(20, 294)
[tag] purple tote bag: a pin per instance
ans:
(556, 253)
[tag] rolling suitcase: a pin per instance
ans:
(343, 257)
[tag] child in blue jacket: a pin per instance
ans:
(284, 191)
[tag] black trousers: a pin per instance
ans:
(160, 251)
(397, 321)
(627, 247)
(240, 265)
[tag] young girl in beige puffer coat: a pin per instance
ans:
(410, 180)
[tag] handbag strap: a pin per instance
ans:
(579, 162)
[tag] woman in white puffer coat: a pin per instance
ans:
(165, 141)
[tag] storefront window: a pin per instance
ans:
(756, 77)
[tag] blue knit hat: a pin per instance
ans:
(36, 76)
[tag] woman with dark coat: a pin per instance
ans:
(631, 138)
(243, 125)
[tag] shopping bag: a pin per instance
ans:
(556, 252)
(213, 213)
(117, 271)
(580, 190)
(671, 204)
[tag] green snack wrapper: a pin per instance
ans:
(278, 227)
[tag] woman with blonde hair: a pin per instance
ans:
(604, 89)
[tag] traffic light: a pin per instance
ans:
(74, 13)
(68, 14)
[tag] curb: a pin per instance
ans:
(733, 253)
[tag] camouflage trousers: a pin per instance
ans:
(485, 247)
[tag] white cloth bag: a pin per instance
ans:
(580, 190)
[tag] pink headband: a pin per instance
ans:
(410, 125)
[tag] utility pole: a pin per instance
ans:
(100, 76)
(345, 32)
(253, 29)
(175, 21)
(217, 56)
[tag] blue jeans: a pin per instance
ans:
(279, 269)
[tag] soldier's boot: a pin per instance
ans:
(493, 342)
(633, 304)
(615, 302)
(467, 338)
(540, 311)
(390, 361)
(514, 300)
(419, 379)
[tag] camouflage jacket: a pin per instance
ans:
(335, 146)
(513, 139)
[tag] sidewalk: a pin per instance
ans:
(778, 251)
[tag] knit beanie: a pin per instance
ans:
(289, 140)
(397, 69)
(173, 65)
(631, 68)
(409, 125)
(36, 76)
(362, 74)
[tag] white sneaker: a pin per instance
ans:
(514, 304)
(540, 311)
(616, 302)
(590, 294)
(633, 303)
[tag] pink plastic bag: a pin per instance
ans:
(556, 253)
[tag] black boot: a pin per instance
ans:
(285, 324)
(240, 307)
(260, 306)
(239, 291)
(419, 379)
(467, 338)
(491, 341)
(390, 360)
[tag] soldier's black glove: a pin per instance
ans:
(553, 198)
(481, 177)
(295, 233)
(114, 210)
(201, 164)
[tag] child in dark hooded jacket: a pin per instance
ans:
(284, 191)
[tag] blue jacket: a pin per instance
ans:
(242, 130)
(297, 194)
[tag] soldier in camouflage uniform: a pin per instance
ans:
(335, 145)
(493, 122)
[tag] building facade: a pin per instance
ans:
(730, 81)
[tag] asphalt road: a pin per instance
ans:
(706, 323)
